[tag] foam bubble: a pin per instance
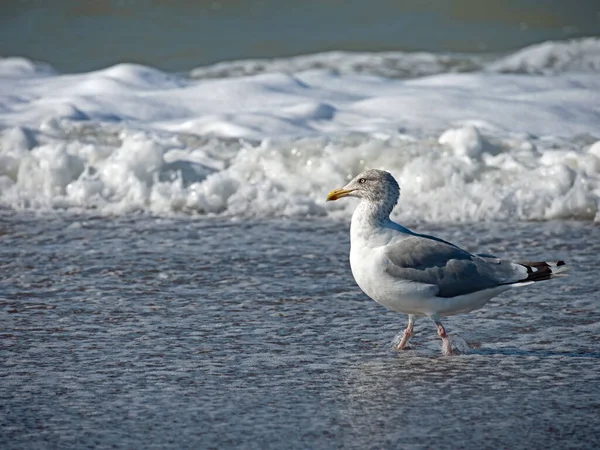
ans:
(574, 55)
(45, 172)
(465, 141)
(577, 55)
(595, 149)
(23, 67)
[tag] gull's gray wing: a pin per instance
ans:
(428, 260)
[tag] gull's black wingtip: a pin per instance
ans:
(544, 270)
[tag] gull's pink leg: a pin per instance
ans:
(407, 333)
(446, 347)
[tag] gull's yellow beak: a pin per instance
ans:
(338, 193)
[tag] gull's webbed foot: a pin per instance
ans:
(446, 345)
(408, 332)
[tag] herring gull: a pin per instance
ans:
(422, 275)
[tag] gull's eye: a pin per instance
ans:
(362, 180)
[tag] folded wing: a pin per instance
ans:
(454, 271)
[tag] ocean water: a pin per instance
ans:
(137, 331)
(82, 35)
(173, 278)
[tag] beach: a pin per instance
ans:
(172, 276)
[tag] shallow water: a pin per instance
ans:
(181, 332)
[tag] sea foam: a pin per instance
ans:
(483, 145)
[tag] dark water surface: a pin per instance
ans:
(182, 333)
(81, 35)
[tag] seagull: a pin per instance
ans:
(423, 275)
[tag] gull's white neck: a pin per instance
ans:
(369, 217)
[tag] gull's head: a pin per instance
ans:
(377, 186)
